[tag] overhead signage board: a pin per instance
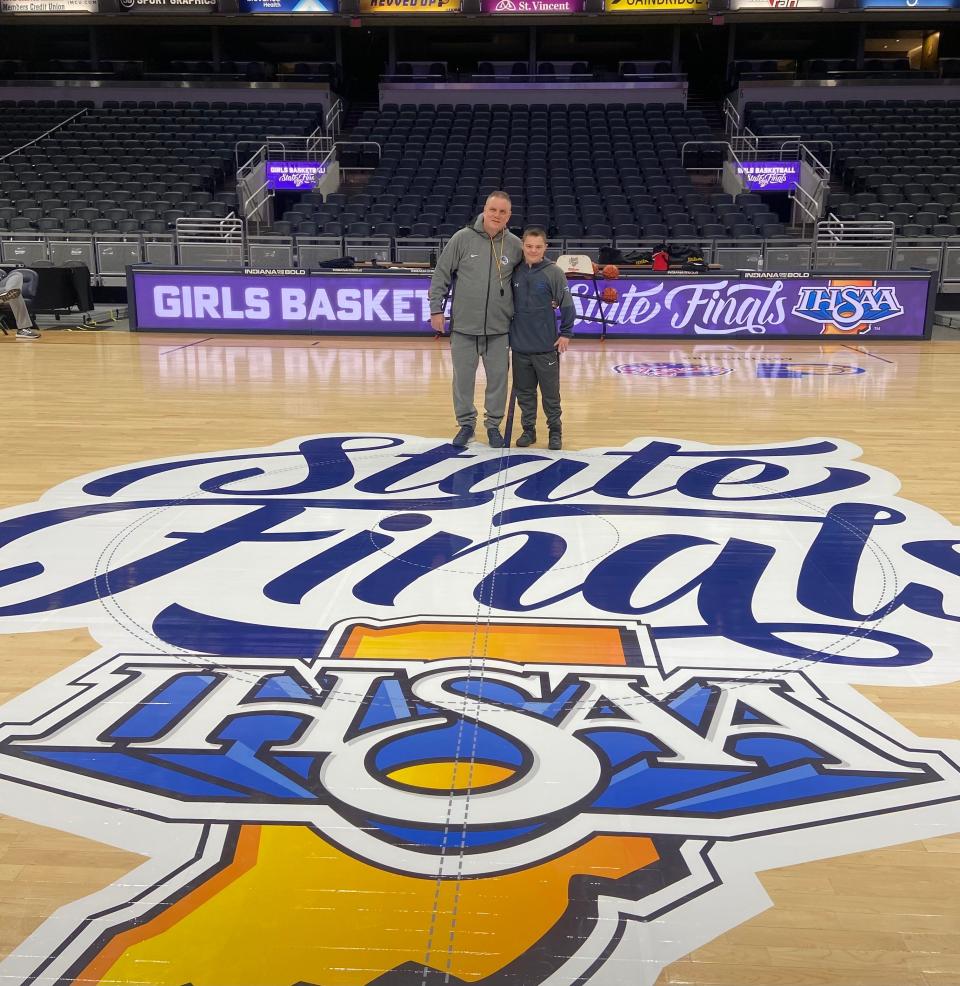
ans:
(409, 6)
(531, 6)
(909, 4)
(288, 6)
(49, 6)
(168, 6)
(773, 6)
(640, 6)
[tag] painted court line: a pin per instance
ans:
(186, 346)
(866, 353)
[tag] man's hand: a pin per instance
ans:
(562, 344)
(437, 323)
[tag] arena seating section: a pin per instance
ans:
(130, 167)
(893, 159)
(616, 172)
(611, 171)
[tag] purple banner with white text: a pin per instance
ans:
(770, 176)
(531, 6)
(743, 304)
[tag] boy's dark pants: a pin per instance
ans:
(529, 370)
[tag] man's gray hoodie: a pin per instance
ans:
(537, 292)
(482, 299)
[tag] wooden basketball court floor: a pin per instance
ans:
(311, 699)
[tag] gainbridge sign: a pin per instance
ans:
(378, 710)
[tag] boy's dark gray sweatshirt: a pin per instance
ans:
(537, 292)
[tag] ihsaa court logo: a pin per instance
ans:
(848, 307)
(380, 710)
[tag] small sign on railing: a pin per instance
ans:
(769, 176)
(294, 176)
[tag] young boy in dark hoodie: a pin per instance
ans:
(539, 288)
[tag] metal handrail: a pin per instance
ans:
(732, 119)
(209, 229)
(250, 165)
(259, 204)
(822, 170)
(261, 148)
(807, 210)
(35, 140)
(722, 249)
(331, 121)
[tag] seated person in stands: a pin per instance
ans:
(11, 295)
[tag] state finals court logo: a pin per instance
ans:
(377, 710)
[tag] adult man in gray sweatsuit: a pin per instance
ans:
(483, 257)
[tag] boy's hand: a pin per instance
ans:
(561, 344)
(437, 323)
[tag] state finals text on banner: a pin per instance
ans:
(726, 305)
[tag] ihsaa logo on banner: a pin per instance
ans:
(848, 306)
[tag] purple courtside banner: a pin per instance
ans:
(743, 304)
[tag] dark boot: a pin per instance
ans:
(529, 437)
(494, 438)
(555, 442)
(463, 436)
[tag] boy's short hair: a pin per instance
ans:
(535, 231)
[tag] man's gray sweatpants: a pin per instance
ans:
(17, 305)
(467, 352)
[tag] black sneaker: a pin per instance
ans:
(555, 442)
(529, 437)
(463, 436)
(494, 438)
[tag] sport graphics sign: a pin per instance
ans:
(297, 176)
(368, 676)
(166, 6)
(750, 304)
(769, 176)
